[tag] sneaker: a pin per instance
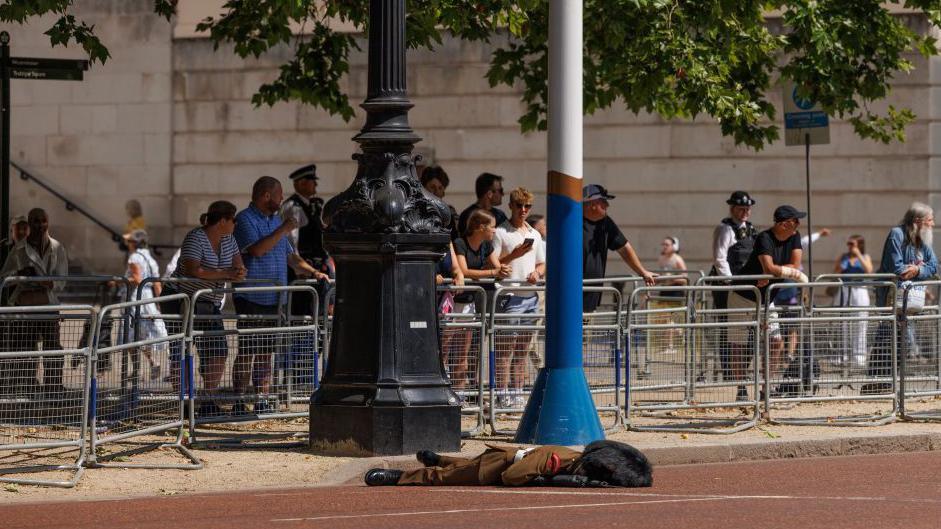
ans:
(518, 401)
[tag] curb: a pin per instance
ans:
(352, 473)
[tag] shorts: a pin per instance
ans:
(213, 346)
(518, 305)
(740, 334)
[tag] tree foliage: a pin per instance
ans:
(675, 58)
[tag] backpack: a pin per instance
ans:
(739, 252)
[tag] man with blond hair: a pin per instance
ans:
(520, 246)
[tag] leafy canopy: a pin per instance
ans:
(675, 58)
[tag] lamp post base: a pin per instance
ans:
(370, 430)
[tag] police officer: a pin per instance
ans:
(732, 243)
(305, 208)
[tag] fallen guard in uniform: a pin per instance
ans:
(601, 464)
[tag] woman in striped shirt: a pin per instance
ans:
(209, 256)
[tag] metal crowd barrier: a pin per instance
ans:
(818, 352)
(245, 362)
(324, 316)
(463, 338)
(517, 350)
(671, 393)
(44, 381)
(127, 400)
(918, 358)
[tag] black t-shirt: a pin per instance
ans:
(598, 238)
(478, 259)
(462, 221)
(767, 244)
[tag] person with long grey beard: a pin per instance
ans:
(907, 254)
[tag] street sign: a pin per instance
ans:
(48, 64)
(47, 69)
(804, 120)
(49, 75)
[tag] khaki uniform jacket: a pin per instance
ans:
(497, 466)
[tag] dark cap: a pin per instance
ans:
(740, 198)
(594, 192)
(308, 171)
(786, 212)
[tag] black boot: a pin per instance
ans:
(428, 458)
(382, 477)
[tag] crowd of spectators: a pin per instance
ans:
(279, 240)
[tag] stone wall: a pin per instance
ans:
(100, 141)
(170, 121)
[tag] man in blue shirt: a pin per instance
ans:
(267, 252)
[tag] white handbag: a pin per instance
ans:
(916, 297)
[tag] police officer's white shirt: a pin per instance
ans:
(508, 237)
(722, 239)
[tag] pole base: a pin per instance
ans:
(560, 410)
(393, 430)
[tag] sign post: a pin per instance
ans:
(23, 68)
(805, 123)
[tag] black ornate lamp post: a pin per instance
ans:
(384, 390)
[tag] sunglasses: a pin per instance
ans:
(523, 206)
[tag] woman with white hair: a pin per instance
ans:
(907, 254)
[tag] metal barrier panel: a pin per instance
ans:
(919, 358)
(834, 346)
(242, 364)
(131, 402)
(44, 382)
(462, 337)
(298, 369)
(668, 342)
(517, 350)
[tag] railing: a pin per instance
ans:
(76, 376)
(70, 205)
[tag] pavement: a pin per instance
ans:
(884, 491)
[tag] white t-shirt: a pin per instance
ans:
(507, 238)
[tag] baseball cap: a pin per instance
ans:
(786, 212)
(18, 219)
(308, 171)
(740, 198)
(594, 192)
(137, 236)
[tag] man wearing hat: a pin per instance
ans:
(778, 253)
(599, 235)
(305, 208)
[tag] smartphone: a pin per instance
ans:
(528, 241)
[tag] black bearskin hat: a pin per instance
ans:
(615, 463)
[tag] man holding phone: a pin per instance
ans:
(520, 246)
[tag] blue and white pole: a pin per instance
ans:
(561, 410)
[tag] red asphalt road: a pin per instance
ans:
(871, 492)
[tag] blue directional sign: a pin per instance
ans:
(804, 119)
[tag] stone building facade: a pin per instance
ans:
(169, 121)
